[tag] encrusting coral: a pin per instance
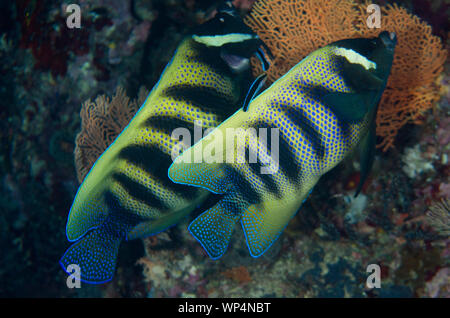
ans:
(102, 121)
(292, 29)
(238, 274)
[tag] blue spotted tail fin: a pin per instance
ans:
(95, 254)
(214, 227)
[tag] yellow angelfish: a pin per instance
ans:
(266, 160)
(127, 194)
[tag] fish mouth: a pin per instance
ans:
(389, 39)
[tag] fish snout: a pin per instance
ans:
(389, 39)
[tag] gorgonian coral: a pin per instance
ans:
(419, 57)
(101, 122)
(438, 217)
(292, 29)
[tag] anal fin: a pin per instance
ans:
(214, 227)
(264, 223)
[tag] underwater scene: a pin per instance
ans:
(224, 149)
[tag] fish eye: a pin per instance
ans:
(222, 20)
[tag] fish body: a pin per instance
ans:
(299, 128)
(127, 194)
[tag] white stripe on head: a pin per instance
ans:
(355, 58)
(219, 40)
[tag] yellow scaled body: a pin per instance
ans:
(127, 194)
(150, 132)
(298, 129)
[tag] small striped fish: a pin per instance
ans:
(127, 194)
(317, 113)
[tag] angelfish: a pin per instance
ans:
(127, 193)
(318, 112)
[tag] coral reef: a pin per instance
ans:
(40, 113)
(327, 246)
(439, 217)
(440, 284)
(413, 86)
(415, 163)
(50, 45)
(239, 274)
(101, 122)
(293, 29)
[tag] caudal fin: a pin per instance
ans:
(95, 254)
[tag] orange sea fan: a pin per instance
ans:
(292, 29)
(412, 88)
(101, 122)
